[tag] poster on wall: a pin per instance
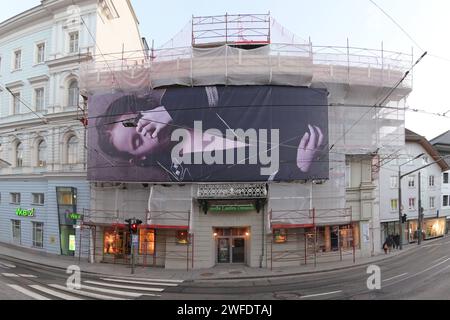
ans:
(209, 134)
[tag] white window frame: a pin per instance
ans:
(72, 159)
(445, 203)
(432, 202)
(15, 198)
(445, 174)
(38, 59)
(394, 182)
(16, 99)
(431, 181)
(17, 64)
(39, 162)
(348, 175)
(40, 197)
(16, 238)
(74, 47)
(35, 94)
(394, 208)
(411, 181)
(413, 202)
(38, 243)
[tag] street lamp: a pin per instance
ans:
(400, 177)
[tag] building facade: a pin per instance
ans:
(270, 224)
(418, 152)
(42, 116)
(442, 145)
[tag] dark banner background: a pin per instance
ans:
(289, 109)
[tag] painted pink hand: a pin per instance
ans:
(309, 147)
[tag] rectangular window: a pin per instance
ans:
(17, 59)
(73, 42)
(411, 182)
(15, 198)
(38, 234)
(66, 196)
(394, 204)
(412, 203)
(445, 178)
(432, 202)
(394, 182)
(280, 236)
(16, 103)
(39, 99)
(445, 201)
(16, 232)
(431, 181)
(146, 241)
(40, 53)
(182, 237)
(38, 198)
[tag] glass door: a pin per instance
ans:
(223, 250)
(238, 250)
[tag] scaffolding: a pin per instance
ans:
(315, 236)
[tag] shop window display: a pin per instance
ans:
(280, 236)
(182, 237)
(146, 241)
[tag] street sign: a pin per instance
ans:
(135, 240)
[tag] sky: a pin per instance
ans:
(331, 22)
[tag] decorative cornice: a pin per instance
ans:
(39, 79)
(69, 59)
(15, 84)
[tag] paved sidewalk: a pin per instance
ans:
(224, 273)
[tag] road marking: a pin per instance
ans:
(7, 265)
(28, 292)
(85, 293)
(124, 287)
(439, 259)
(116, 292)
(141, 282)
(320, 294)
(54, 293)
(145, 279)
(27, 276)
(399, 276)
(10, 275)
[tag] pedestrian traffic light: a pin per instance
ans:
(404, 218)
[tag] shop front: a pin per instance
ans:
(68, 219)
(231, 245)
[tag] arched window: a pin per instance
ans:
(42, 154)
(19, 155)
(72, 150)
(74, 93)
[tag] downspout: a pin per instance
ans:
(263, 236)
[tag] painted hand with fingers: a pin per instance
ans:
(309, 147)
(153, 122)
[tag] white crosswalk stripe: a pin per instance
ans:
(6, 265)
(148, 280)
(85, 293)
(28, 293)
(116, 292)
(141, 282)
(54, 293)
(105, 284)
(27, 276)
(10, 275)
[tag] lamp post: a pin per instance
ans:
(400, 177)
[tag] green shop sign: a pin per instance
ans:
(232, 208)
(25, 213)
(75, 216)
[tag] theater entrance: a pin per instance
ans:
(231, 245)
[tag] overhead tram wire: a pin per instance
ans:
(379, 105)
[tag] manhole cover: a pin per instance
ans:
(207, 274)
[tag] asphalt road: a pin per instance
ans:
(422, 274)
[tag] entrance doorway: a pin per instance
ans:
(231, 245)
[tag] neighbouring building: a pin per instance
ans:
(201, 223)
(43, 186)
(442, 144)
(418, 152)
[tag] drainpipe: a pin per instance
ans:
(263, 234)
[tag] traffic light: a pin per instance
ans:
(133, 225)
(404, 218)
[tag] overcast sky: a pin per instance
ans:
(330, 22)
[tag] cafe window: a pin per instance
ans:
(280, 236)
(182, 237)
(146, 241)
(66, 196)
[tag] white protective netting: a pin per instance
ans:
(357, 79)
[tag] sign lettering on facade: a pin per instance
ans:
(232, 208)
(25, 213)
